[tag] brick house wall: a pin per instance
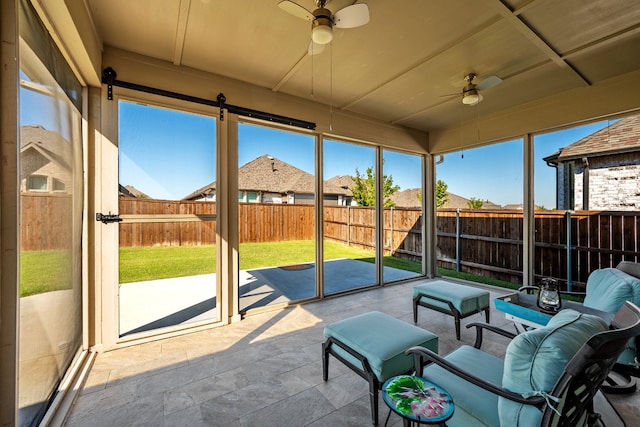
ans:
(614, 183)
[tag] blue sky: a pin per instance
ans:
(169, 154)
(494, 172)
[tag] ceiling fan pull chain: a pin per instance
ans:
(331, 86)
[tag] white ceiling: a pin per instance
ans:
(397, 67)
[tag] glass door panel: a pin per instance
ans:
(349, 216)
(402, 216)
(276, 214)
(479, 196)
(559, 198)
(51, 208)
(167, 254)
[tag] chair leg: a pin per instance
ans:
(325, 361)
(373, 398)
(415, 309)
(457, 318)
(619, 382)
(486, 314)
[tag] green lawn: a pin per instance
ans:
(160, 262)
(43, 271)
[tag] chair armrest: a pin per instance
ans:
(482, 326)
(528, 289)
(421, 353)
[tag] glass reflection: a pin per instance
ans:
(50, 162)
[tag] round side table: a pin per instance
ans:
(417, 400)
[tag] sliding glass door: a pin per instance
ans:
(167, 207)
(349, 216)
(276, 216)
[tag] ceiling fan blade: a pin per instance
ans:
(315, 48)
(352, 16)
(489, 82)
(296, 10)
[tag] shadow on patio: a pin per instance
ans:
(160, 303)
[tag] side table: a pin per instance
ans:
(417, 400)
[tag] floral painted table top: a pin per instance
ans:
(418, 399)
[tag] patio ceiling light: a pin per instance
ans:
(322, 33)
(471, 97)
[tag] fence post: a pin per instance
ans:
(391, 238)
(567, 215)
(458, 239)
(348, 225)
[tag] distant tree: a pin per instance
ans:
(474, 203)
(442, 196)
(364, 189)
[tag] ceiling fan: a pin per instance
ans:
(471, 92)
(323, 20)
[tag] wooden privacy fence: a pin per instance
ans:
(172, 227)
(44, 221)
(568, 245)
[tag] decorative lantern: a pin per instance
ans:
(549, 300)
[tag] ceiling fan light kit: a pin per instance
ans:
(321, 30)
(471, 97)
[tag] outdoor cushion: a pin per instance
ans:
(535, 360)
(470, 399)
(465, 299)
(382, 340)
(609, 288)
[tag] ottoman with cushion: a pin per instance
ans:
(373, 345)
(459, 301)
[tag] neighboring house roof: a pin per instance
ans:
(49, 144)
(459, 202)
(407, 198)
(131, 191)
(269, 174)
(620, 137)
(346, 182)
(456, 202)
(519, 207)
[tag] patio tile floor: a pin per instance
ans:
(263, 371)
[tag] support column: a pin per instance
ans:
(528, 219)
(429, 238)
(9, 204)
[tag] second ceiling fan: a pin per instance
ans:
(471, 94)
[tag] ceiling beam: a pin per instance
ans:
(181, 30)
(303, 60)
(514, 19)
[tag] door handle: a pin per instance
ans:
(108, 218)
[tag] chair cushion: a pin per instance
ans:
(465, 299)
(609, 288)
(382, 340)
(469, 399)
(535, 360)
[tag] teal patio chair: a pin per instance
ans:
(549, 376)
